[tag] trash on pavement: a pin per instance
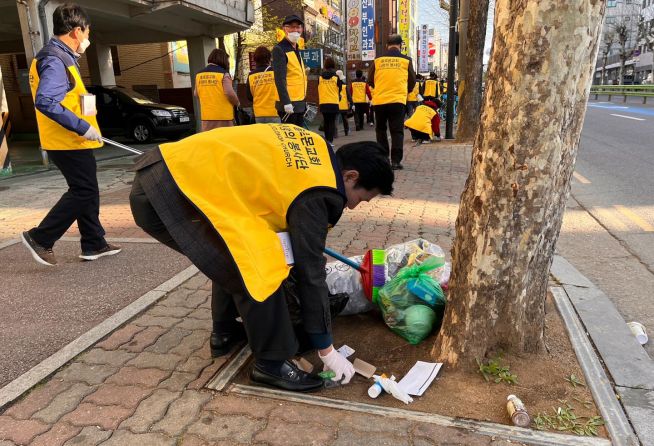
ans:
(363, 368)
(376, 389)
(639, 332)
(419, 377)
(346, 351)
(303, 364)
(390, 386)
(517, 411)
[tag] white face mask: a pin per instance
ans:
(294, 37)
(83, 45)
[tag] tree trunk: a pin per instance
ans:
(511, 210)
(603, 69)
(470, 94)
(623, 60)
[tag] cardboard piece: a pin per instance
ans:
(303, 365)
(363, 368)
(87, 104)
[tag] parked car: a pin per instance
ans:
(122, 111)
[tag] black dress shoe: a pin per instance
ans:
(397, 166)
(289, 378)
(223, 343)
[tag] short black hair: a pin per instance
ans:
(67, 17)
(368, 158)
(329, 63)
(359, 73)
(262, 55)
(394, 39)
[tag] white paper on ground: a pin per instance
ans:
(346, 351)
(285, 240)
(420, 377)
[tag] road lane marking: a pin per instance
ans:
(609, 107)
(635, 218)
(628, 117)
(610, 218)
(582, 179)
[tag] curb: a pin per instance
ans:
(45, 368)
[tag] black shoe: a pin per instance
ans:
(289, 378)
(108, 250)
(42, 255)
(221, 344)
(397, 166)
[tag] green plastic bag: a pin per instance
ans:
(412, 303)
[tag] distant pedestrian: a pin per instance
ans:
(261, 88)
(432, 88)
(345, 105)
(329, 87)
(68, 133)
(214, 90)
(360, 92)
(290, 74)
(412, 98)
(425, 122)
(392, 77)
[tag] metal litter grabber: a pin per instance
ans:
(122, 146)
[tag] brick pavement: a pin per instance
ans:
(144, 383)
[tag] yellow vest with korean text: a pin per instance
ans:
(413, 94)
(391, 78)
(264, 92)
(244, 180)
(359, 92)
(432, 88)
(214, 105)
(421, 120)
(344, 105)
(296, 77)
(51, 134)
(328, 90)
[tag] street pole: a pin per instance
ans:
(451, 66)
(464, 13)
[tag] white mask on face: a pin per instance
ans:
(83, 45)
(294, 37)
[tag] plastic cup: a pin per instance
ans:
(639, 332)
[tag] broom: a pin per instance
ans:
(372, 269)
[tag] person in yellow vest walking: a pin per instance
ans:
(329, 97)
(432, 88)
(290, 74)
(345, 105)
(260, 88)
(230, 199)
(68, 132)
(214, 90)
(392, 77)
(360, 92)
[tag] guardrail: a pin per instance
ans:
(644, 91)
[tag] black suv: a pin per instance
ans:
(122, 111)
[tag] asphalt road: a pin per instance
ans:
(608, 231)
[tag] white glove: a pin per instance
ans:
(92, 134)
(288, 108)
(420, 98)
(335, 362)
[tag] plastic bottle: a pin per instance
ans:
(376, 389)
(517, 411)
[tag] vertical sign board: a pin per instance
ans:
(367, 30)
(403, 24)
(353, 29)
(423, 65)
(312, 57)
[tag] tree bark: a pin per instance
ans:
(470, 94)
(523, 157)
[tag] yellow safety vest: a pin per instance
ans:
(264, 92)
(51, 134)
(244, 180)
(359, 92)
(413, 94)
(214, 105)
(421, 120)
(328, 90)
(444, 87)
(296, 78)
(344, 105)
(391, 77)
(432, 88)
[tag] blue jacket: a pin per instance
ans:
(54, 83)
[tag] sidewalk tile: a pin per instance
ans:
(237, 405)
(37, 399)
(143, 339)
(120, 337)
(90, 374)
(20, 431)
(208, 373)
(63, 403)
(126, 438)
(106, 417)
(156, 321)
(194, 364)
(192, 342)
(150, 411)
(114, 358)
(57, 436)
(111, 394)
(89, 436)
(168, 340)
(159, 361)
(177, 381)
(310, 414)
(182, 412)
(195, 324)
(368, 423)
(449, 435)
(132, 376)
(301, 433)
(348, 437)
(235, 428)
(200, 313)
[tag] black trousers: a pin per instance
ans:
(370, 114)
(293, 118)
(419, 136)
(360, 109)
(267, 324)
(80, 202)
(391, 116)
(329, 125)
(346, 125)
